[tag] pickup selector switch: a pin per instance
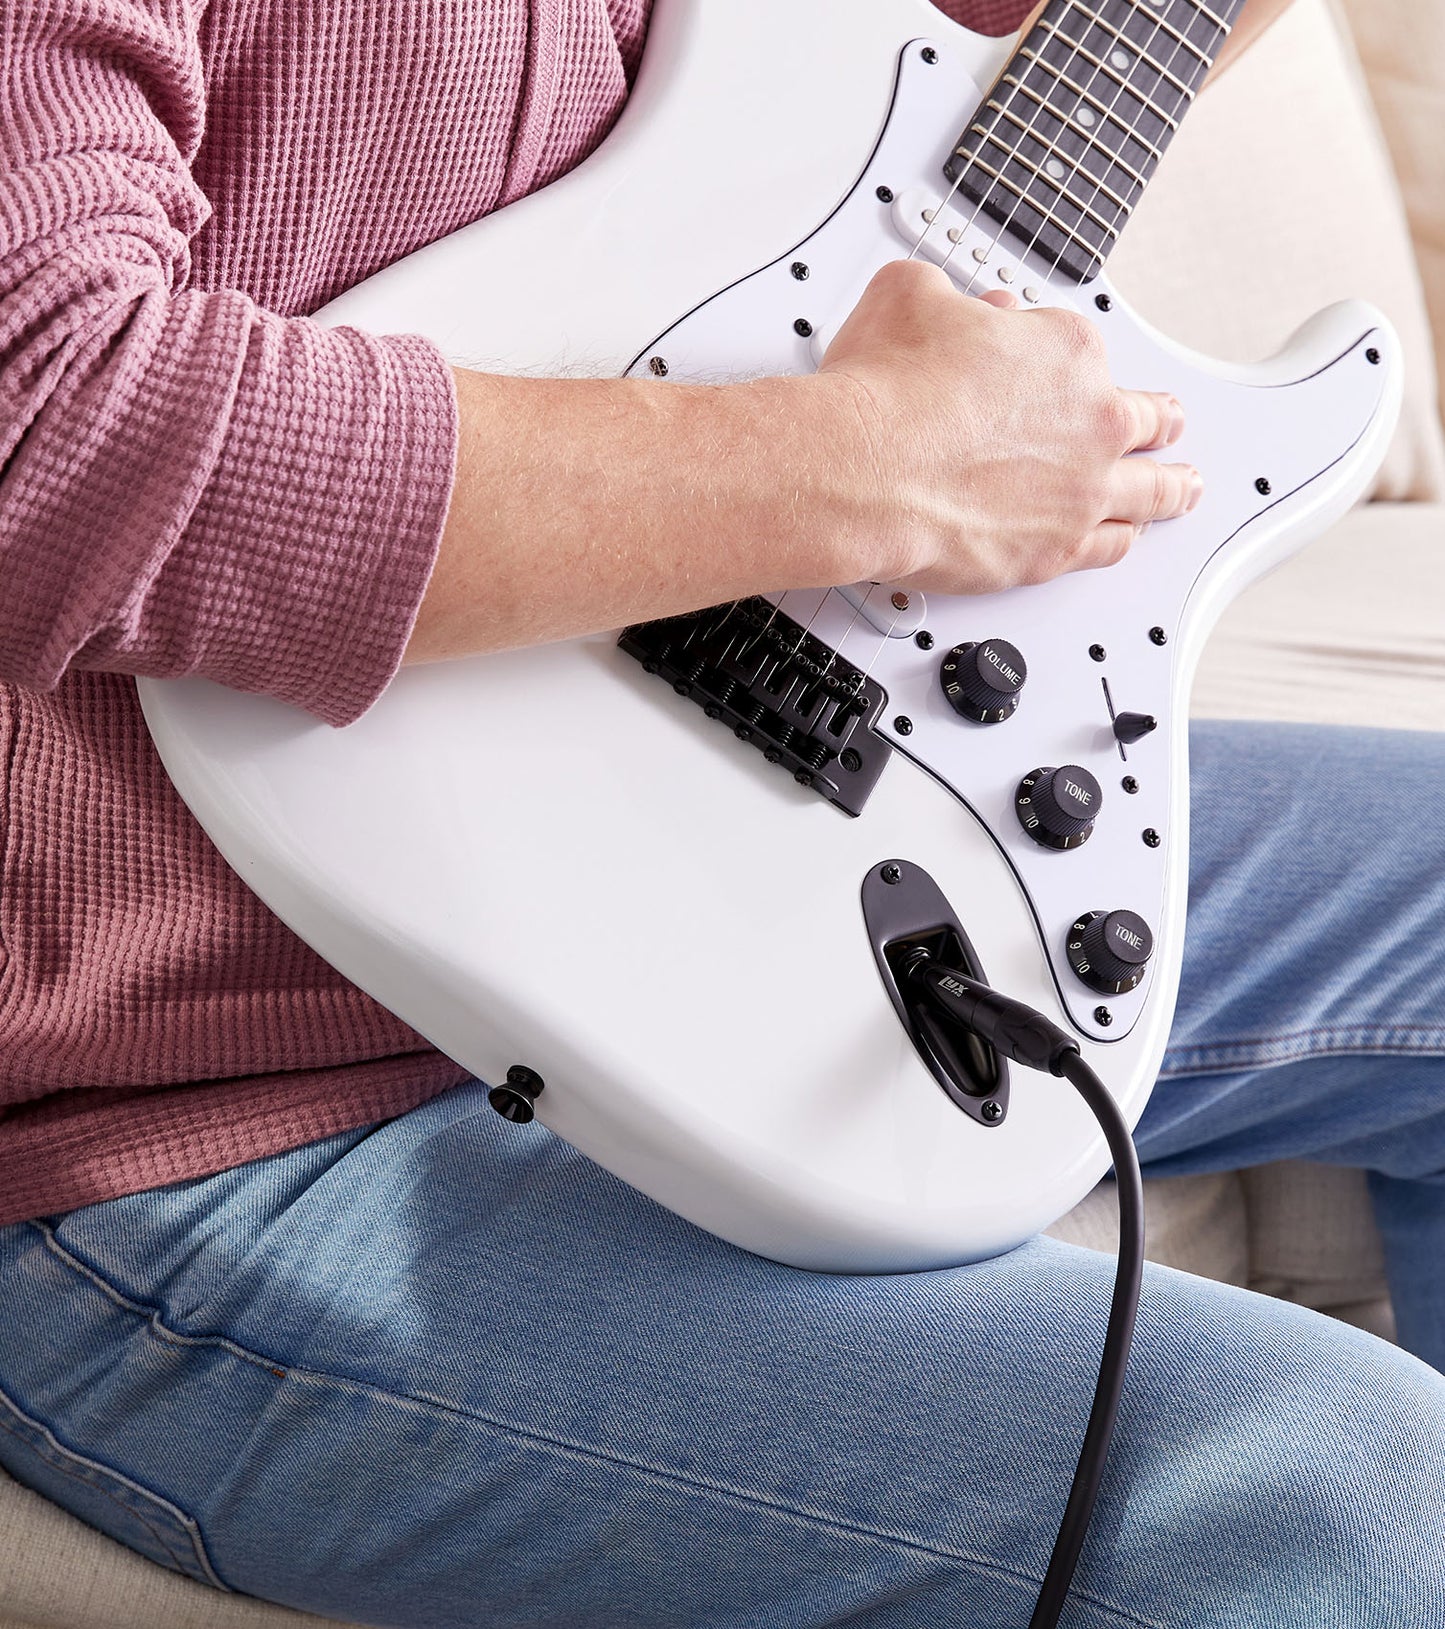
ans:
(1109, 950)
(1057, 807)
(982, 681)
(1132, 727)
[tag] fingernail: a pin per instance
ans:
(1175, 421)
(1196, 490)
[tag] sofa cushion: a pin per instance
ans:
(1347, 632)
(1194, 1223)
(1402, 46)
(56, 1573)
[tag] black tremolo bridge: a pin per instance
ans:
(772, 683)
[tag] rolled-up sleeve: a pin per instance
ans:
(189, 484)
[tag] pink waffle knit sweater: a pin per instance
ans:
(195, 478)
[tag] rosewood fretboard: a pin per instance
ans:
(1065, 143)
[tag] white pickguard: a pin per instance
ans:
(547, 857)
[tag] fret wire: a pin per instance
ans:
(1163, 24)
(1143, 55)
(1109, 113)
(1070, 249)
(1038, 204)
(1028, 128)
(1053, 181)
(1105, 68)
(1204, 11)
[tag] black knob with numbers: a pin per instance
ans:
(1058, 807)
(982, 681)
(1110, 950)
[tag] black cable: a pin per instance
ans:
(1118, 1338)
(1027, 1037)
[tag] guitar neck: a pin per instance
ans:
(1063, 146)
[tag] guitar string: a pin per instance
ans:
(1181, 42)
(1076, 55)
(1077, 52)
(1005, 104)
(1110, 113)
(1144, 50)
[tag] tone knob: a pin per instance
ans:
(983, 681)
(1109, 950)
(1058, 807)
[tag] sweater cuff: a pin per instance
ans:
(309, 551)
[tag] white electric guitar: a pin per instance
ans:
(674, 877)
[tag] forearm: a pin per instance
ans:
(585, 504)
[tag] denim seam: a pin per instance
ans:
(583, 1451)
(107, 1481)
(1324, 1041)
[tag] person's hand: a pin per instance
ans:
(985, 446)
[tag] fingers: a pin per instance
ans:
(1001, 298)
(1142, 490)
(1157, 420)
(1106, 545)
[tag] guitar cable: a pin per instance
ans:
(1027, 1037)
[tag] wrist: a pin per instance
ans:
(861, 505)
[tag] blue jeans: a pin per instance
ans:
(445, 1371)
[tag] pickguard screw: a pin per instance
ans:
(1263, 487)
(850, 761)
(885, 195)
(1098, 652)
(1103, 1017)
(1372, 356)
(658, 365)
(1158, 636)
(929, 55)
(1152, 838)
(1103, 302)
(992, 1110)
(923, 639)
(892, 873)
(1129, 784)
(903, 725)
(800, 271)
(803, 327)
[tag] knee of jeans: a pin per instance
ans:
(1348, 1491)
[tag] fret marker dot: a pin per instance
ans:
(1056, 169)
(1120, 59)
(1086, 116)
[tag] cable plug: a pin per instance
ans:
(1009, 1026)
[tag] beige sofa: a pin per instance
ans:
(1278, 197)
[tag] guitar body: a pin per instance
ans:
(550, 857)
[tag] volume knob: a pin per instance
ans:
(982, 681)
(1109, 950)
(1057, 807)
